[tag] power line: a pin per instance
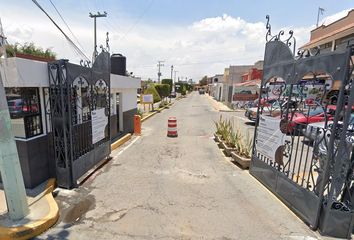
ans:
(139, 18)
(78, 42)
(76, 48)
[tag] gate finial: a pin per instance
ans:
(269, 37)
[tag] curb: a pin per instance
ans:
(148, 116)
(35, 228)
(121, 141)
(157, 111)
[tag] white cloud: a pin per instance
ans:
(204, 47)
(332, 18)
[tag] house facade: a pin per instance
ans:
(215, 86)
(336, 35)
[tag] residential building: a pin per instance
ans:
(252, 74)
(248, 89)
(234, 75)
(226, 81)
(336, 35)
(215, 86)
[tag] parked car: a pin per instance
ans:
(272, 109)
(312, 130)
(299, 120)
(201, 91)
(17, 107)
(173, 95)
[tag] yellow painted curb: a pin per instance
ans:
(148, 116)
(121, 141)
(157, 111)
(35, 228)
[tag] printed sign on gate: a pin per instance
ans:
(99, 123)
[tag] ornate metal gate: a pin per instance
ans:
(303, 141)
(79, 107)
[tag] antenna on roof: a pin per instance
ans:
(320, 11)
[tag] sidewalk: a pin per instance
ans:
(219, 106)
(43, 214)
(32, 195)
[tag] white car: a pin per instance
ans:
(312, 130)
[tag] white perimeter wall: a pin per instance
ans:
(24, 73)
(128, 99)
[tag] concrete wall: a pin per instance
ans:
(25, 73)
(127, 89)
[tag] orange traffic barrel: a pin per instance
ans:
(172, 127)
(137, 125)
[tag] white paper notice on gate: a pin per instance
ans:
(270, 139)
(99, 123)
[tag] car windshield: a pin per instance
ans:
(315, 111)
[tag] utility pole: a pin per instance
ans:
(174, 81)
(175, 75)
(95, 16)
(171, 72)
(320, 11)
(159, 64)
(10, 167)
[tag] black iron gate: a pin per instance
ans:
(304, 138)
(79, 103)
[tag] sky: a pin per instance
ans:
(197, 37)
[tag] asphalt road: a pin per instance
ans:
(174, 188)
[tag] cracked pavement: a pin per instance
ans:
(174, 188)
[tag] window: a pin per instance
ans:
(342, 43)
(25, 113)
(101, 94)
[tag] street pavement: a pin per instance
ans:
(174, 188)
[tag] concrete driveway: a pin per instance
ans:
(174, 188)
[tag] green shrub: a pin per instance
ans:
(163, 90)
(169, 82)
(152, 90)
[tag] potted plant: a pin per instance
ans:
(219, 125)
(232, 143)
(226, 129)
(243, 152)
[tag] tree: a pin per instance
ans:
(203, 81)
(30, 49)
(163, 90)
(183, 90)
(152, 90)
(169, 82)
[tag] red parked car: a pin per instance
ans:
(299, 120)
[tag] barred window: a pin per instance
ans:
(25, 112)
